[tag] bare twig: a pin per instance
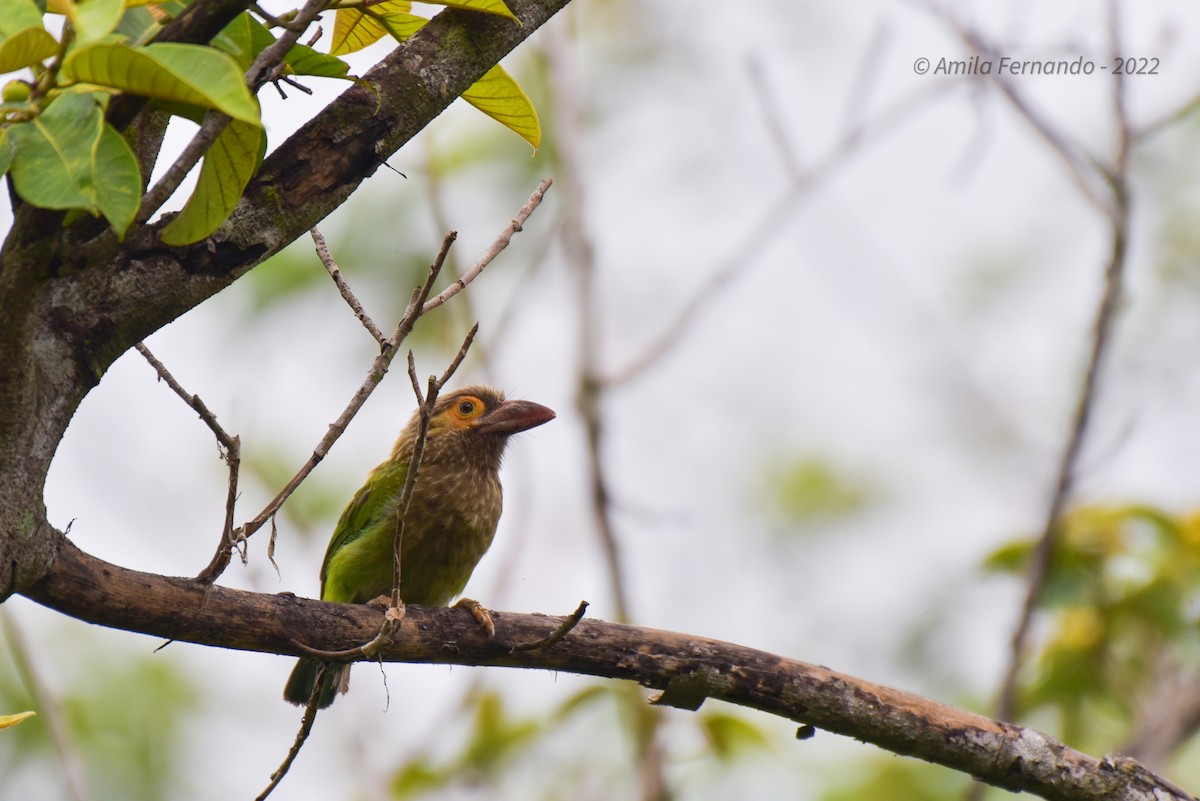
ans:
(569, 622)
(306, 724)
(227, 442)
(426, 405)
(212, 126)
(336, 274)
(1092, 177)
(770, 223)
(273, 21)
(275, 53)
(231, 449)
(1065, 477)
(1114, 203)
(500, 243)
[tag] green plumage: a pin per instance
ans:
(452, 516)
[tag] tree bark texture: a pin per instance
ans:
(688, 670)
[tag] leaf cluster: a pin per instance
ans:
(61, 152)
(1121, 598)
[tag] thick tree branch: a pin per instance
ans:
(687, 669)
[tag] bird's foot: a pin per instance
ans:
(382, 602)
(481, 615)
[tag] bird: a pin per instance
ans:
(451, 521)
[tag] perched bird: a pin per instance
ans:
(451, 519)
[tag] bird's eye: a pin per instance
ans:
(466, 408)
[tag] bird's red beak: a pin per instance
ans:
(513, 416)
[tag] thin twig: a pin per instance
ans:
(1039, 568)
(306, 724)
(1115, 206)
(770, 224)
(426, 405)
(274, 21)
(569, 622)
(1083, 168)
(227, 442)
(210, 128)
(276, 52)
(500, 243)
(336, 274)
(231, 449)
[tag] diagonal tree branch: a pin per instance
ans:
(688, 670)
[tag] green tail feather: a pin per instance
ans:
(300, 684)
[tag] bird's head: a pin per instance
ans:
(475, 423)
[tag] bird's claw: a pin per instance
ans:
(481, 615)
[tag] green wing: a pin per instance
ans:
(374, 500)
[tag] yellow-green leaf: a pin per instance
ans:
(26, 47)
(401, 25)
(13, 720)
(228, 166)
(69, 158)
(182, 73)
(486, 6)
(118, 190)
(354, 29)
(6, 151)
(497, 95)
(17, 15)
(94, 19)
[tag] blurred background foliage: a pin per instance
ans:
(839, 458)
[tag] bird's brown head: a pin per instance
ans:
(474, 423)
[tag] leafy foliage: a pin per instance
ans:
(64, 155)
(1121, 595)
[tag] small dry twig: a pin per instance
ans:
(231, 448)
(212, 126)
(426, 405)
(306, 724)
(336, 274)
(501, 242)
(569, 622)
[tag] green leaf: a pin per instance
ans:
(6, 151)
(497, 95)
(246, 37)
(402, 26)
(17, 15)
(354, 29)
(729, 736)
(183, 73)
(228, 167)
(303, 60)
(26, 47)
(237, 39)
(118, 180)
(94, 19)
(68, 158)
(486, 6)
